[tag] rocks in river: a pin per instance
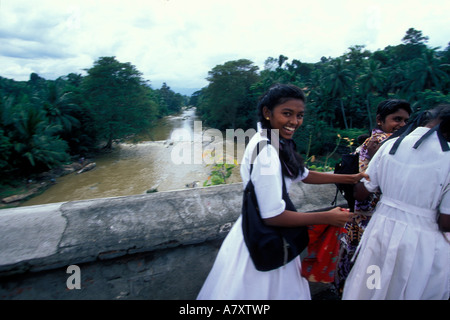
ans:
(193, 184)
(69, 168)
(78, 167)
(87, 167)
(153, 189)
(34, 190)
(19, 197)
(168, 143)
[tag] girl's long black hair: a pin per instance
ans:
(292, 162)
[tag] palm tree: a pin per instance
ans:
(58, 106)
(427, 72)
(396, 78)
(370, 81)
(5, 144)
(34, 140)
(338, 80)
(318, 95)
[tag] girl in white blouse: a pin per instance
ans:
(404, 253)
(234, 276)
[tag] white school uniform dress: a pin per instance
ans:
(233, 275)
(402, 254)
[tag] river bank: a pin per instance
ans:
(13, 196)
(134, 167)
(123, 171)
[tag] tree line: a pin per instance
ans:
(343, 92)
(45, 123)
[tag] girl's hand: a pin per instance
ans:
(338, 216)
(357, 177)
(352, 178)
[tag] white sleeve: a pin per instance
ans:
(266, 177)
(302, 176)
(374, 167)
(444, 206)
(373, 184)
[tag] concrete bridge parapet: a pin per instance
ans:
(153, 246)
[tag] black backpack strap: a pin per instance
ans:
(335, 197)
(256, 151)
(263, 143)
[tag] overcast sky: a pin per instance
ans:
(179, 41)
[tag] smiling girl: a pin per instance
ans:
(234, 276)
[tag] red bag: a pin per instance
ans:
(323, 252)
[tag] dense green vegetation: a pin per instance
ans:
(45, 123)
(343, 92)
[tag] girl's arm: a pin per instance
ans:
(336, 217)
(315, 177)
(444, 222)
(360, 192)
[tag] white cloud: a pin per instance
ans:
(179, 41)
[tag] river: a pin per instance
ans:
(134, 168)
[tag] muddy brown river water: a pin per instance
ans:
(135, 168)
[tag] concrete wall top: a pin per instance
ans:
(49, 236)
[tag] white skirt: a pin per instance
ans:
(234, 276)
(402, 256)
